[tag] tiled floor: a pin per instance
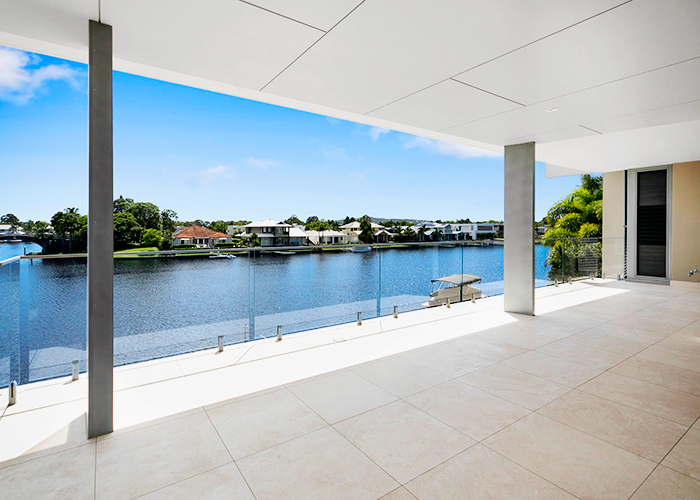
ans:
(596, 397)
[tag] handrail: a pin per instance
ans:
(10, 260)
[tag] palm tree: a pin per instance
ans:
(578, 216)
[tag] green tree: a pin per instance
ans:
(219, 226)
(293, 220)
(312, 219)
(579, 215)
(254, 241)
(10, 219)
(366, 234)
(151, 238)
(318, 225)
(348, 220)
(146, 214)
(126, 230)
(122, 205)
(168, 221)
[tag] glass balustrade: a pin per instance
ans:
(181, 302)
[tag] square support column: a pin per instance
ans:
(519, 229)
(100, 261)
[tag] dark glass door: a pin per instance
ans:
(651, 223)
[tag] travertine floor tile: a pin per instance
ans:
(482, 474)
(476, 413)
(340, 395)
(660, 401)
(685, 457)
(600, 339)
(486, 348)
(447, 360)
(255, 424)
(69, 474)
(399, 376)
(388, 435)
(143, 461)
(321, 465)
(557, 370)
(687, 360)
(515, 386)
(399, 494)
(580, 464)
(223, 482)
(661, 374)
(586, 355)
(666, 484)
(518, 336)
(633, 430)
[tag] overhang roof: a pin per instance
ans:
(622, 75)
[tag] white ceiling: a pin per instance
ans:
(620, 73)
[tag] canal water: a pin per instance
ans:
(175, 305)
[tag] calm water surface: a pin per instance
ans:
(175, 305)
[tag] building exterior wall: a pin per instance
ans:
(685, 221)
(613, 223)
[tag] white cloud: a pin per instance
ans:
(261, 164)
(334, 153)
(461, 151)
(359, 175)
(376, 132)
(20, 82)
(207, 176)
(332, 121)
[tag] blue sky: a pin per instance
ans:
(213, 156)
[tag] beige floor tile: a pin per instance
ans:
(223, 482)
(340, 395)
(518, 387)
(561, 371)
(685, 457)
(69, 474)
(580, 464)
(403, 440)
(680, 407)
(399, 376)
(586, 355)
(448, 361)
(399, 494)
(476, 413)
(254, 424)
(608, 342)
(482, 474)
(633, 430)
(681, 343)
(639, 321)
(486, 348)
(661, 374)
(321, 465)
(143, 461)
(666, 484)
(517, 336)
(682, 359)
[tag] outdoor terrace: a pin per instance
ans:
(598, 396)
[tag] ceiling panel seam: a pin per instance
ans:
(453, 77)
(616, 80)
(592, 130)
(491, 93)
(281, 15)
(312, 45)
(643, 112)
(573, 93)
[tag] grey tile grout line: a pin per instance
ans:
(346, 439)
(664, 458)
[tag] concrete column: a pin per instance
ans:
(519, 231)
(100, 261)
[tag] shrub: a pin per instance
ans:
(152, 238)
(184, 247)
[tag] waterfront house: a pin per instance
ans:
(199, 236)
(353, 230)
(382, 236)
(269, 232)
(327, 237)
(297, 236)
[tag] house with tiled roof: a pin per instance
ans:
(199, 236)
